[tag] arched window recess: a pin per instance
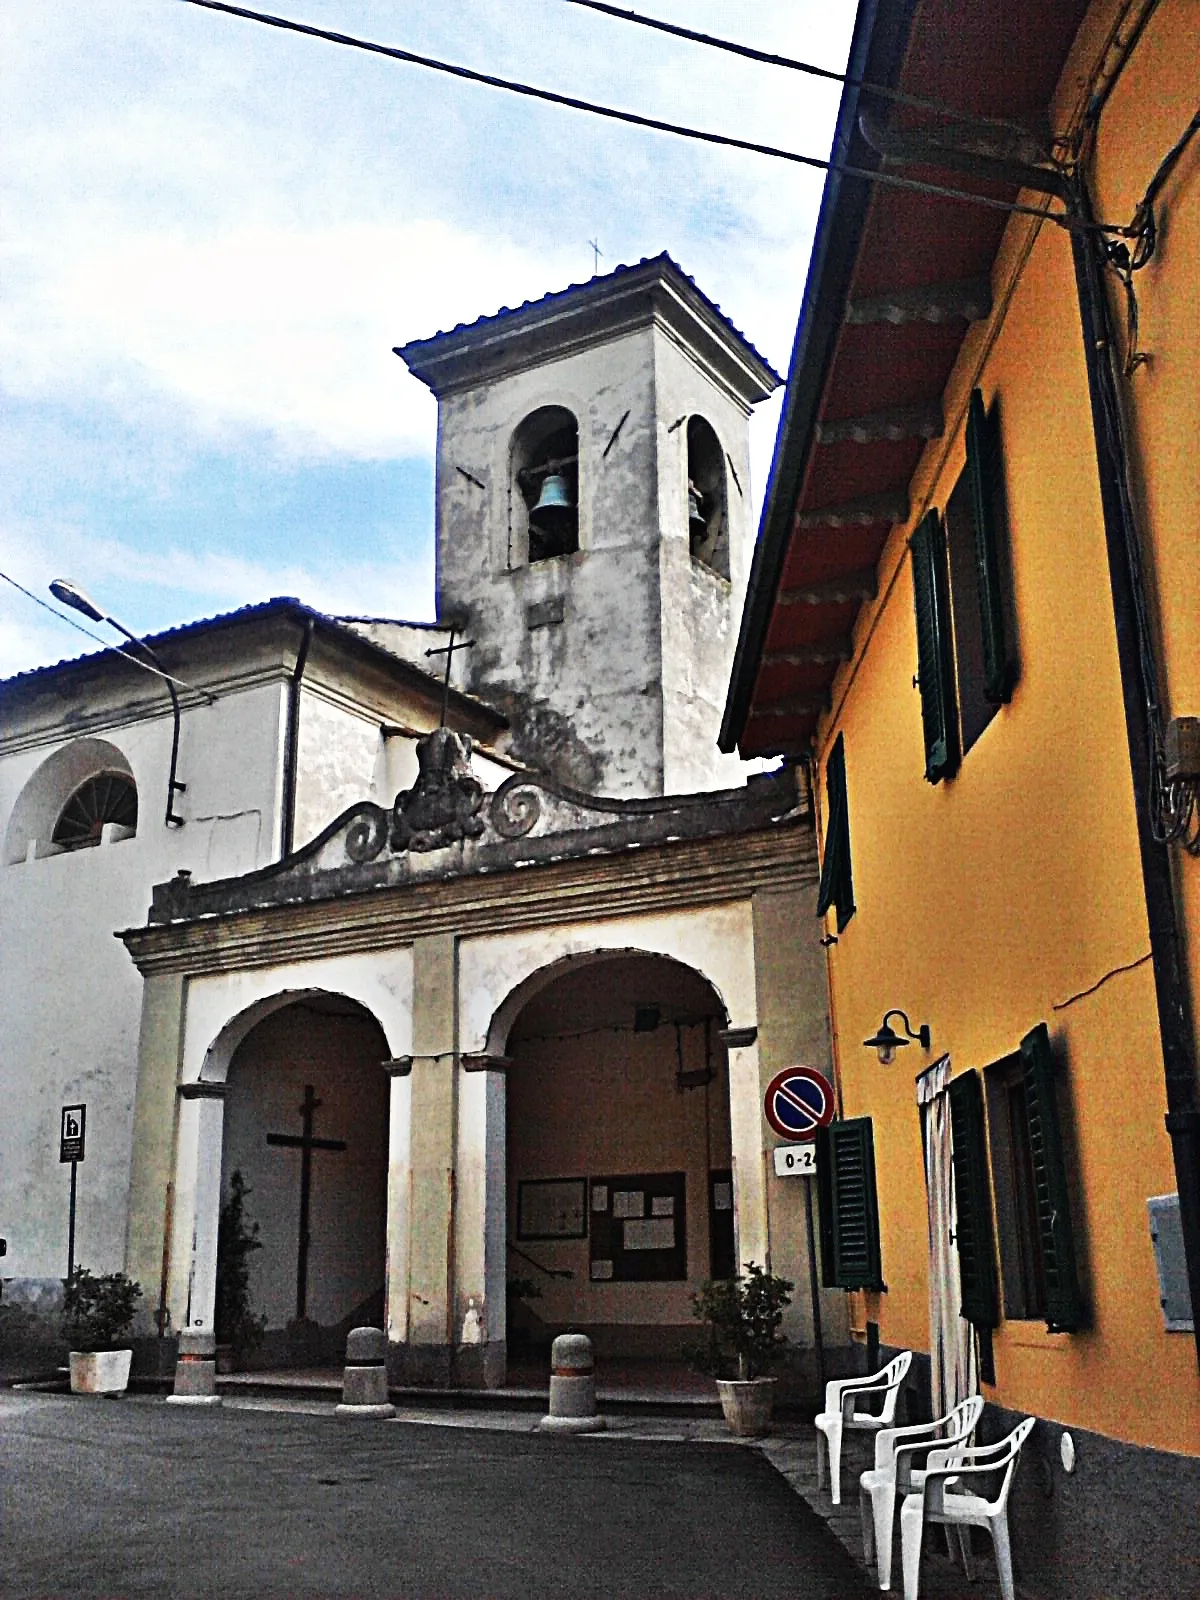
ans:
(708, 509)
(546, 473)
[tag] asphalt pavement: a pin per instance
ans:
(131, 1497)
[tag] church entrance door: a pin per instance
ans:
(306, 1130)
(619, 1182)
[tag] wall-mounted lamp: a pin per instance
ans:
(887, 1041)
(72, 595)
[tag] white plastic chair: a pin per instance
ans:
(941, 1499)
(895, 1472)
(840, 1414)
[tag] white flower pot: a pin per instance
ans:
(100, 1371)
(747, 1404)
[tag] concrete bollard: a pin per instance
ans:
(364, 1383)
(572, 1387)
(196, 1370)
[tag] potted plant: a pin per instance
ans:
(96, 1316)
(237, 1328)
(741, 1318)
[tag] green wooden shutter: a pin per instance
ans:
(1064, 1302)
(973, 1202)
(825, 1208)
(935, 659)
(837, 887)
(846, 1170)
(984, 467)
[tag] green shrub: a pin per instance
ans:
(97, 1311)
(741, 1318)
(234, 1322)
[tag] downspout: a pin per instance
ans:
(291, 744)
(1170, 979)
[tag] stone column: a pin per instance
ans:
(752, 1237)
(160, 1045)
(424, 1356)
(399, 1197)
(481, 1224)
(793, 1021)
(192, 1274)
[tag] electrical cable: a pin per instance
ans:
(656, 124)
(100, 640)
(790, 63)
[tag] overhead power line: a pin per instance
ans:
(657, 124)
(767, 58)
(99, 639)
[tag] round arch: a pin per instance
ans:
(716, 942)
(545, 977)
(45, 793)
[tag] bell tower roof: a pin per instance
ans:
(654, 291)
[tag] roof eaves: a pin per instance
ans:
(876, 54)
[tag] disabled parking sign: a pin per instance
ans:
(798, 1101)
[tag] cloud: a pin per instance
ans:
(216, 232)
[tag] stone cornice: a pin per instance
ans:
(637, 881)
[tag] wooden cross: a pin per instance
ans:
(306, 1144)
(448, 650)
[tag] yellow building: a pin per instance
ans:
(975, 609)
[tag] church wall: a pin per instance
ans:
(701, 610)
(338, 759)
(602, 1104)
(584, 691)
(70, 999)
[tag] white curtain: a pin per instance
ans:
(954, 1373)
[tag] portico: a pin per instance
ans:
(443, 955)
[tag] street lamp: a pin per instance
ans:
(887, 1041)
(71, 595)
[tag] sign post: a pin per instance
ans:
(72, 1124)
(797, 1102)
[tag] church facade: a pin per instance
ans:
(487, 1045)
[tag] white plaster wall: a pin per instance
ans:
(701, 612)
(70, 998)
(716, 941)
(599, 669)
(339, 754)
(222, 1008)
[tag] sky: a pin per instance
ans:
(212, 234)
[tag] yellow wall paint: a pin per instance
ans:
(986, 903)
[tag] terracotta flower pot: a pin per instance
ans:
(747, 1404)
(100, 1371)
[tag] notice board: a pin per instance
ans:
(638, 1227)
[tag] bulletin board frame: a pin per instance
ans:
(552, 1208)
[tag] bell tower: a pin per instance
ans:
(594, 523)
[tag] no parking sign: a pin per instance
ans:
(798, 1101)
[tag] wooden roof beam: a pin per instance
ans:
(832, 653)
(966, 301)
(864, 512)
(797, 705)
(902, 422)
(850, 590)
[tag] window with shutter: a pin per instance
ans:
(849, 1205)
(935, 661)
(837, 885)
(973, 1201)
(1063, 1300)
(986, 478)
